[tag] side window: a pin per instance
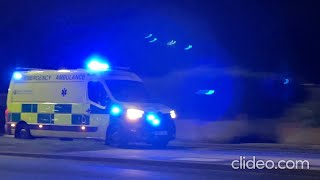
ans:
(97, 93)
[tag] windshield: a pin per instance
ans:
(128, 91)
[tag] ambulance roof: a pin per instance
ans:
(74, 75)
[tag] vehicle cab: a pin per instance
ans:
(133, 114)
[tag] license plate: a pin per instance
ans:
(160, 133)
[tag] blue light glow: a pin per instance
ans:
(17, 76)
(286, 81)
(149, 36)
(206, 92)
(187, 48)
(155, 122)
(115, 110)
(151, 117)
(209, 92)
(153, 40)
(171, 43)
(97, 63)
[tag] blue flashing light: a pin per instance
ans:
(115, 110)
(97, 63)
(98, 66)
(286, 81)
(155, 122)
(17, 76)
(151, 117)
(209, 92)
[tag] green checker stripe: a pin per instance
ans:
(63, 108)
(29, 108)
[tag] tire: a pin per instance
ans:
(115, 138)
(22, 131)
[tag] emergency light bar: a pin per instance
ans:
(97, 66)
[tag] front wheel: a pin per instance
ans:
(22, 131)
(115, 137)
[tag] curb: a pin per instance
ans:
(193, 165)
(248, 146)
(164, 164)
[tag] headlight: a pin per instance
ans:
(173, 114)
(134, 114)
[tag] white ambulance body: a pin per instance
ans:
(111, 105)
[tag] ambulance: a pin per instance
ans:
(98, 102)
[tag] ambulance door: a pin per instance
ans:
(99, 105)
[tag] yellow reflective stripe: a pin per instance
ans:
(46, 108)
(29, 117)
(14, 107)
(99, 120)
(77, 109)
(62, 119)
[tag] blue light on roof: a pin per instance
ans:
(97, 63)
(17, 76)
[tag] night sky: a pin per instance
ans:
(266, 35)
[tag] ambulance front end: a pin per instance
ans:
(134, 116)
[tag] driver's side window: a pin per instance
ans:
(97, 93)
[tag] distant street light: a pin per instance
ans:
(153, 40)
(187, 48)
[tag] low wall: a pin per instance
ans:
(241, 131)
(215, 131)
(293, 133)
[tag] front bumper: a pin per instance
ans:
(149, 135)
(143, 131)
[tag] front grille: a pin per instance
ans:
(165, 122)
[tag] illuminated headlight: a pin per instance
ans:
(173, 114)
(134, 114)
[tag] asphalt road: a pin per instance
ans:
(71, 167)
(38, 168)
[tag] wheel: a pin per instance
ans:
(160, 144)
(22, 131)
(114, 137)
